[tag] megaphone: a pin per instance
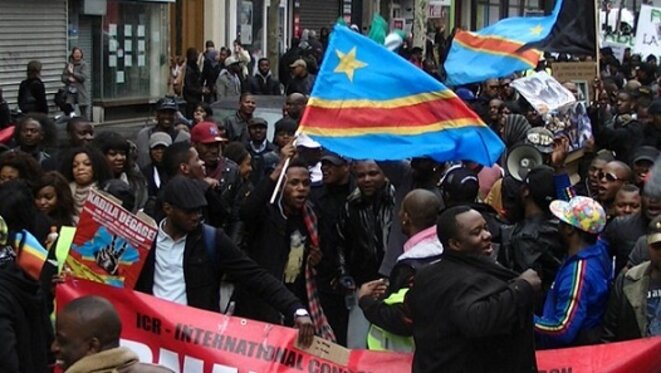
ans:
(521, 159)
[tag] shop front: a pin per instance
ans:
(32, 30)
(126, 45)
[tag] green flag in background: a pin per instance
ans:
(341, 22)
(378, 29)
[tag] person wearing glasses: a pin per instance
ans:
(611, 178)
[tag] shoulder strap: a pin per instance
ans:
(209, 234)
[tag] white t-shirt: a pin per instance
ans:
(169, 281)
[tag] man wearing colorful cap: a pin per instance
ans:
(576, 303)
(222, 172)
(634, 307)
(166, 111)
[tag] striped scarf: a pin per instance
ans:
(321, 326)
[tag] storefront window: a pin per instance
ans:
(250, 28)
(133, 43)
(488, 13)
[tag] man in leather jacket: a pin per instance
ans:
(533, 242)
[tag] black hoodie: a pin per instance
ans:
(25, 328)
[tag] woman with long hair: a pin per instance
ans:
(116, 150)
(52, 196)
(85, 168)
(75, 75)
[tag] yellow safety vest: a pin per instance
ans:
(379, 339)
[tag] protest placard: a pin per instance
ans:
(581, 73)
(543, 92)
(648, 32)
(618, 43)
(111, 243)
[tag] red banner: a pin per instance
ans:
(191, 340)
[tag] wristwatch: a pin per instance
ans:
(301, 312)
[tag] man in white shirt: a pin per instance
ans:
(181, 268)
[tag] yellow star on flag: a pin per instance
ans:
(537, 30)
(348, 63)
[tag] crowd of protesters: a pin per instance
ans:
(470, 267)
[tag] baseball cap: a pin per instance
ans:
(461, 183)
(205, 133)
(541, 138)
(257, 122)
(654, 231)
(184, 193)
(159, 138)
(580, 212)
(541, 184)
(167, 103)
(335, 159)
(645, 153)
(299, 62)
(231, 60)
(286, 124)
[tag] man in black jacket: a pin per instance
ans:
(624, 132)
(329, 198)
(181, 268)
(263, 82)
(470, 314)
(264, 158)
(302, 81)
(533, 241)
(277, 236)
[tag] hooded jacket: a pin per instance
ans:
(25, 330)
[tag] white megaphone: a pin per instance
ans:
(521, 159)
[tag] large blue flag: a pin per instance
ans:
(369, 103)
(498, 50)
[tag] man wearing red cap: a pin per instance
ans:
(222, 172)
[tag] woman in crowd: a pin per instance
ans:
(202, 113)
(84, 168)
(52, 196)
(115, 149)
(74, 76)
(32, 92)
(26, 331)
(15, 164)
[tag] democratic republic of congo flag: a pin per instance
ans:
(498, 50)
(32, 255)
(369, 103)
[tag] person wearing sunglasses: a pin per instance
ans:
(611, 178)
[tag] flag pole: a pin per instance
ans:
(281, 177)
(597, 36)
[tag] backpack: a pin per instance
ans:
(209, 235)
(226, 288)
